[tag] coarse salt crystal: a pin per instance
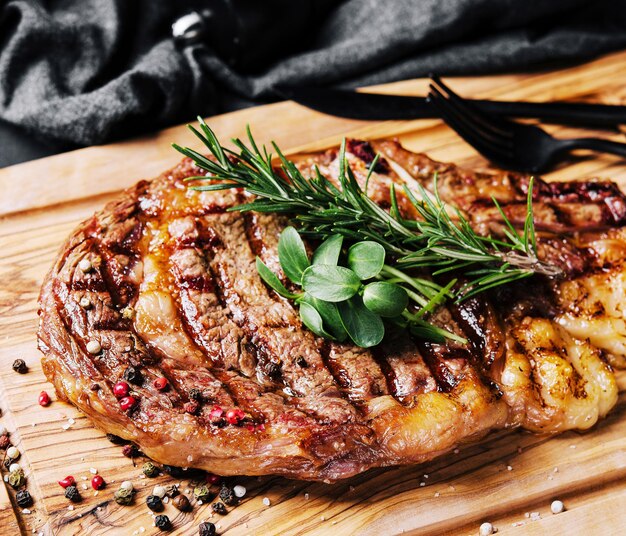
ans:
(266, 501)
(70, 507)
(66, 427)
(93, 471)
(71, 421)
(437, 494)
(509, 468)
(26, 511)
(422, 484)
(83, 477)
(166, 499)
(95, 493)
(555, 470)
(535, 516)
(306, 496)
(84, 486)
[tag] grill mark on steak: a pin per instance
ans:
(407, 373)
(356, 371)
(272, 325)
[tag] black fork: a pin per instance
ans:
(508, 144)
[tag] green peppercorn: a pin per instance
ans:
(206, 529)
(219, 508)
(202, 493)
(155, 503)
(123, 496)
(181, 503)
(163, 522)
(228, 495)
(72, 493)
(17, 479)
(23, 499)
(150, 470)
(19, 366)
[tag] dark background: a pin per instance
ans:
(82, 72)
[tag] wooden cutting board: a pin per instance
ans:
(503, 480)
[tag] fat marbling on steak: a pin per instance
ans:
(173, 292)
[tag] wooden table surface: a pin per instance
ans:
(503, 480)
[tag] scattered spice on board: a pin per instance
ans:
(72, 493)
(181, 503)
(44, 399)
(219, 508)
(23, 499)
(150, 470)
(206, 529)
(19, 366)
(155, 503)
(162, 522)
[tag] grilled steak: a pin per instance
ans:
(162, 284)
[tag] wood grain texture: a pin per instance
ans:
(42, 201)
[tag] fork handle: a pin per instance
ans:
(595, 144)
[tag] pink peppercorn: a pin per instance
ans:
(97, 482)
(121, 389)
(44, 399)
(128, 402)
(234, 416)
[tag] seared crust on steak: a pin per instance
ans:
(173, 290)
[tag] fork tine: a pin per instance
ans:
(463, 130)
(492, 123)
(458, 121)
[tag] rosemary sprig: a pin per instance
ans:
(437, 242)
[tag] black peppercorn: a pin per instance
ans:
(195, 394)
(301, 362)
(227, 495)
(219, 508)
(163, 522)
(116, 440)
(19, 366)
(206, 529)
(155, 503)
(23, 499)
(72, 493)
(181, 503)
(133, 375)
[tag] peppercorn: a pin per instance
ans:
(234, 416)
(227, 495)
(123, 496)
(195, 394)
(130, 450)
(182, 503)
(206, 529)
(23, 499)
(5, 442)
(19, 366)
(171, 490)
(155, 503)
(116, 440)
(163, 522)
(17, 479)
(44, 399)
(301, 362)
(128, 403)
(97, 482)
(133, 375)
(160, 383)
(72, 493)
(121, 389)
(150, 470)
(219, 508)
(213, 479)
(202, 493)
(191, 407)
(67, 481)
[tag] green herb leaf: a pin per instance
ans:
(330, 315)
(366, 259)
(330, 283)
(271, 279)
(329, 251)
(385, 299)
(292, 255)
(312, 320)
(365, 328)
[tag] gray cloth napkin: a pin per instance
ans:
(86, 71)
